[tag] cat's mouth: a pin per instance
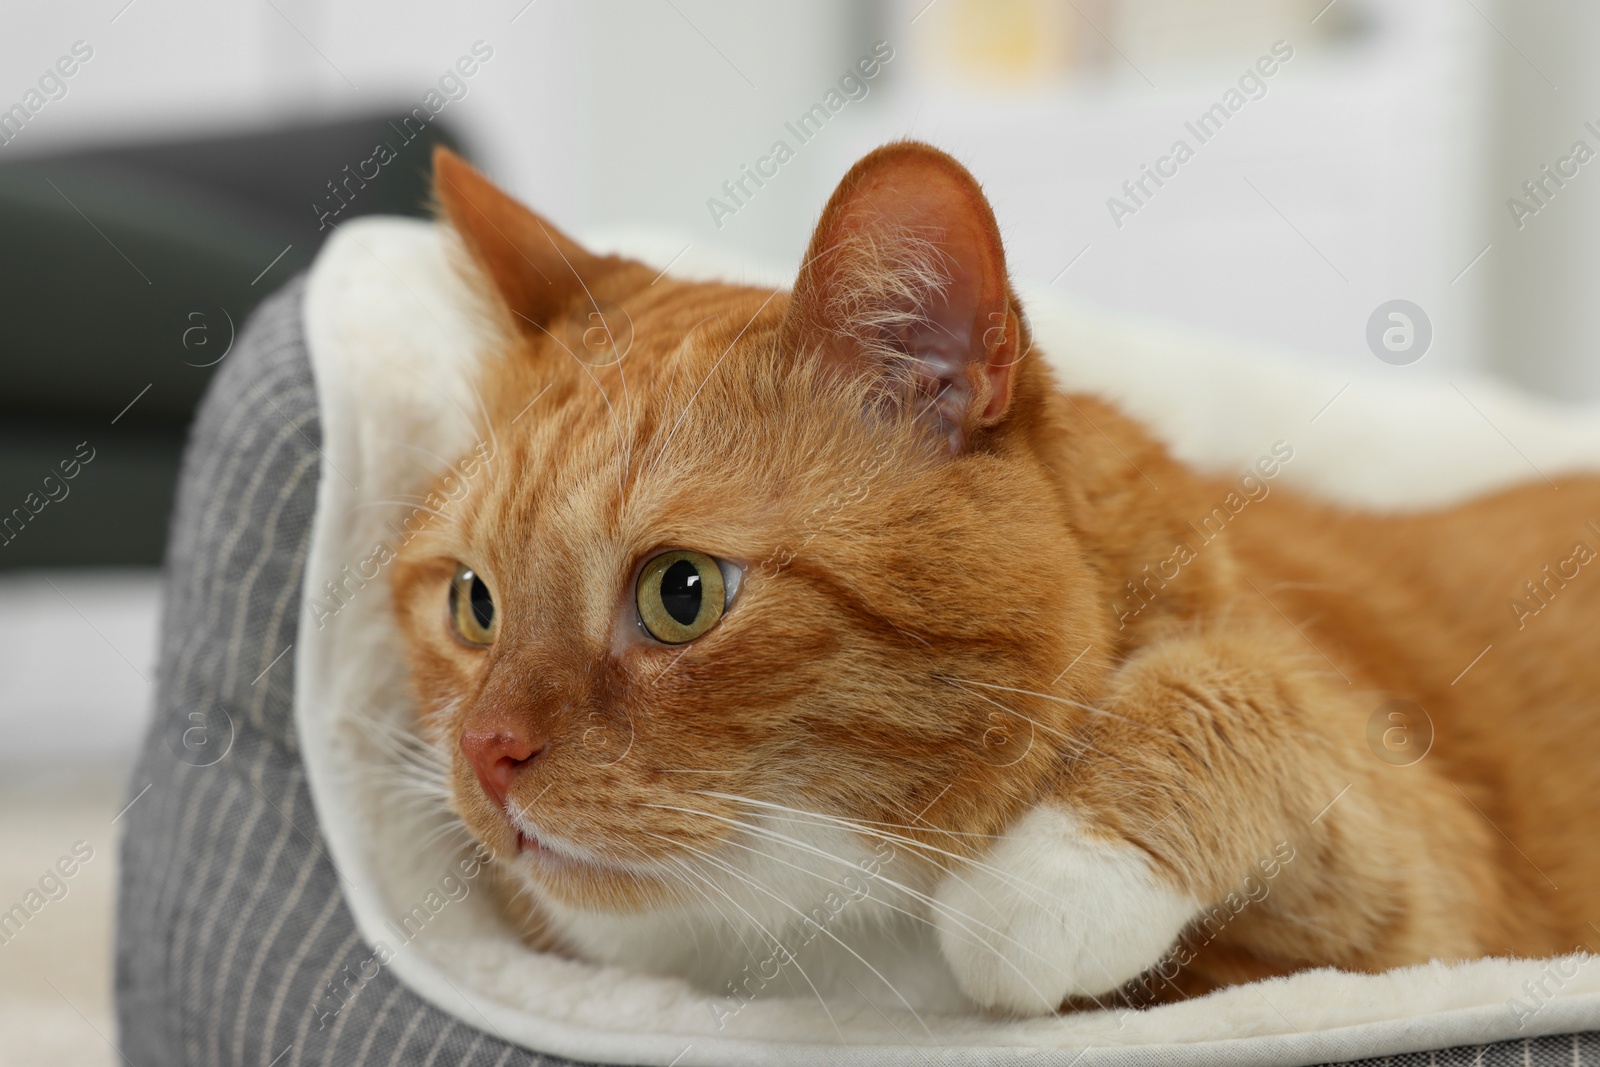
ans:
(553, 853)
(544, 850)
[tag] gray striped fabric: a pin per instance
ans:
(232, 933)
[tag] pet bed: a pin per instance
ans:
(278, 907)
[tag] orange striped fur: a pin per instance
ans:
(935, 630)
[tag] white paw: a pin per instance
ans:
(1051, 912)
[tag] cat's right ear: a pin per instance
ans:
(905, 284)
(538, 271)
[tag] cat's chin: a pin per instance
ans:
(550, 874)
(537, 856)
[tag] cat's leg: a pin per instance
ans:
(1056, 909)
(1224, 787)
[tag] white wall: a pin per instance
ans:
(635, 111)
(1544, 267)
(77, 665)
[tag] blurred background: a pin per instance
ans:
(165, 164)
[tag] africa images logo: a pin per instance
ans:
(1252, 86)
(452, 86)
(52, 86)
(854, 84)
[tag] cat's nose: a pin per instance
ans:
(498, 756)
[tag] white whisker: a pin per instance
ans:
(960, 918)
(1072, 703)
(774, 938)
(753, 884)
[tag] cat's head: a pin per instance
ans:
(737, 560)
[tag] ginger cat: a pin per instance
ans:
(815, 642)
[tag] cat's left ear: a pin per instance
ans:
(539, 272)
(905, 282)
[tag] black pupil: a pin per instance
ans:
(680, 591)
(482, 604)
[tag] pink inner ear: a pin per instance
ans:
(937, 340)
(906, 279)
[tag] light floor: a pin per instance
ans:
(77, 652)
(55, 973)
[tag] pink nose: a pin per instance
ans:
(498, 757)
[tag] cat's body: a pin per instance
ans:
(937, 741)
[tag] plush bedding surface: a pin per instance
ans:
(267, 865)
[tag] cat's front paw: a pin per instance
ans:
(1052, 911)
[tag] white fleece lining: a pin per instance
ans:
(395, 353)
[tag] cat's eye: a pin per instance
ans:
(681, 595)
(471, 607)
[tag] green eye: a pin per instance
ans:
(471, 608)
(681, 596)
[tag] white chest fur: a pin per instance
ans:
(800, 909)
(796, 909)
